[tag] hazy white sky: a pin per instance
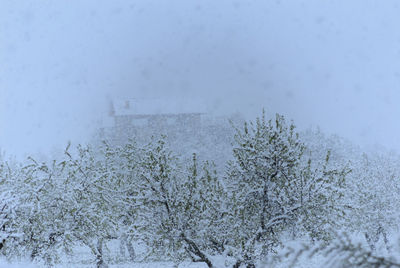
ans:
(335, 64)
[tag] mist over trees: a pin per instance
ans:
(165, 200)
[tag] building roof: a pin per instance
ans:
(158, 106)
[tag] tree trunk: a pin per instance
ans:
(194, 249)
(131, 250)
(34, 253)
(237, 264)
(126, 244)
(100, 260)
(385, 239)
(122, 247)
(2, 244)
(369, 241)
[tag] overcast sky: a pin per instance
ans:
(335, 64)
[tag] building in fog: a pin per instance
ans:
(188, 125)
(137, 117)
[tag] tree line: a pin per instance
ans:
(278, 186)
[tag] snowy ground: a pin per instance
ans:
(4, 264)
(83, 259)
(316, 262)
(79, 262)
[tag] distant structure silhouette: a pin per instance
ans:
(129, 118)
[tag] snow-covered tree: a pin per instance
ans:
(10, 231)
(371, 192)
(176, 207)
(35, 214)
(374, 196)
(273, 185)
(94, 199)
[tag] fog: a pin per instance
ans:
(333, 64)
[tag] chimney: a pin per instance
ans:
(127, 104)
(111, 109)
